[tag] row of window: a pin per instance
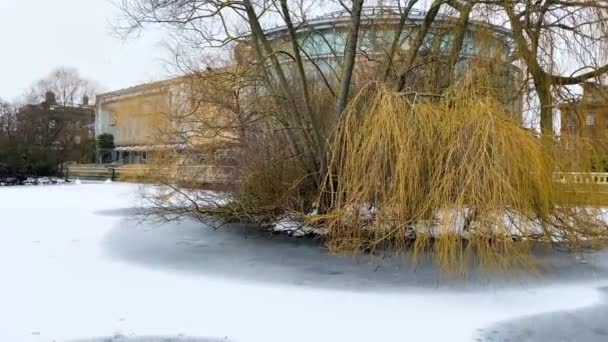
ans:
(68, 124)
(326, 42)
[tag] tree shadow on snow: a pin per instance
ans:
(581, 325)
(121, 212)
(244, 252)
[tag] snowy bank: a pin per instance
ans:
(292, 225)
(61, 283)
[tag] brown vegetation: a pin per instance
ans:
(459, 177)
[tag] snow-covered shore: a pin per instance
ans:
(75, 266)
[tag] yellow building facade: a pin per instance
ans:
(159, 116)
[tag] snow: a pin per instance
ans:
(293, 226)
(286, 224)
(59, 283)
(183, 197)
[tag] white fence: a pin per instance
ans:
(139, 172)
(88, 172)
(581, 177)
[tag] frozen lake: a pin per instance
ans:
(77, 266)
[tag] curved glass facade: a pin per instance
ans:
(323, 43)
(332, 41)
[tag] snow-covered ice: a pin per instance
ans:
(294, 227)
(75, 266)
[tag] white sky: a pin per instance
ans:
(37, 36)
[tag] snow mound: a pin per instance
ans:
(291, 225)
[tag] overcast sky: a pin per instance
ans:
(37, 36)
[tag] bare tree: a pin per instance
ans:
(405, 13)
(560, 43)
(349, 57)
(68, 86)
(8, 121)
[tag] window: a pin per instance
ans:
(322, 43)
(468, 44)
(590, 119)
(52, 123)
(571, 122)
(112, 119)
(445, 42)
(77, 139)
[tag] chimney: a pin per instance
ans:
(49, 98)
(85, 100)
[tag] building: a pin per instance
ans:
(134, 117)
(584, 129)
(140, 117)
(157, 116)
(66, 130)
(323, 42)
(587, 117)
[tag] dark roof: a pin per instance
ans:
(57, 109)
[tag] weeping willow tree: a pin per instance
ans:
(458, 177)
(401, 133)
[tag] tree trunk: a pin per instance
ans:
(350, 54)
(543, 89)
(417, 43)
(395, 44)
(319, 143)
(263, 46)
(457, 42)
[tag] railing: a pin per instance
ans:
(600, 178)
(93, 172)
(142, 173)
